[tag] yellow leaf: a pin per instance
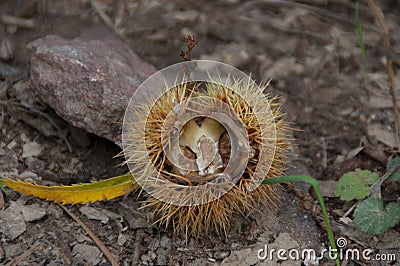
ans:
(77, 193)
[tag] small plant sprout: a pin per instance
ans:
(355, 185)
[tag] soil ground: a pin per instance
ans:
(342, 115)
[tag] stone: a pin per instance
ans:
(12, 222)
(94, 214)
(31, 149)
(87, 82)
(87, 254)
(221, 255)
(14, 250)
(33, 212)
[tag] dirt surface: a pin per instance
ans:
(343, 118)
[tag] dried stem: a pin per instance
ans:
(96, 6)
(191, 42)
(24, 255)
(376, 187)
(380, 19)
(16, 21)
(97, 240)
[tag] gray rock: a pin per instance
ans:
(165, 242)
(12, 222)
(14, 250)
(86, 254)
(31, 149)
(221, 254)
(32, 212)
(162, 256)
(87, 82)
(94, 214)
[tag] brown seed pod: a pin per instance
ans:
(200, 149)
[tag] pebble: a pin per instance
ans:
(94, 214)
(165, 242)
(11, 145)
(221, 254)
(32, 212)
(12, 223)
(34, 164)
(13, 250)
(91, 255)
(27, 174)
(122, 239)
(31, 149)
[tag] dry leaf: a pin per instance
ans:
(383, 135)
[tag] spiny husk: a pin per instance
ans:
(216, 215)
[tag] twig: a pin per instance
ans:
(376, 187)
(105, 18)
(380, 19)
(16, 21)
(349, 210)
(324, 154)
(99, 243)
(24, 255)
(136, 247)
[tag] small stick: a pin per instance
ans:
(324, 154)
(380, 18)
(136, 247)
(16, 21)
(376, 187)
(350, 210)
(105, 18)
(24, 255)
(97, 240)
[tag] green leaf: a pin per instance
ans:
(368, 176)
(371, 217)
(354, 185)
(396, 175)
(3, 188)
